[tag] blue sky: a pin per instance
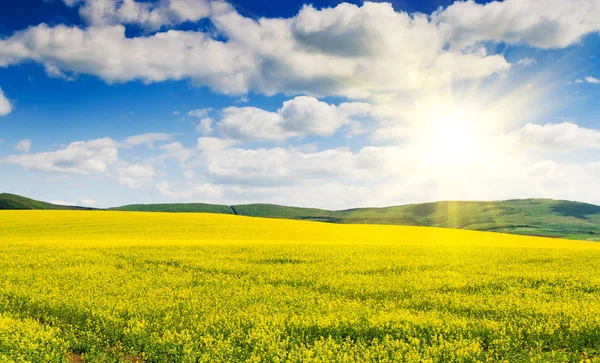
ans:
(329, 105)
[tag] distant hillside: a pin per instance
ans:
(13, 201)
(542, 217)
(280, 211)
(176, 208)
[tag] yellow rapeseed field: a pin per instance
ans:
(97, 286)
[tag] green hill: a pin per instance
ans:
(176, 208)
(542, 217)
(13, 201)
(280, 211)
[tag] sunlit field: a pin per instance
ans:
(122, 286)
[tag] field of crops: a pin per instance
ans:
(79, 286)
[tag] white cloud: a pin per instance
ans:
(355, 128)
(588, 79)
(177, 151)
(526, 62)
(108, 54)
(146, 14)
(189, 190)
(270, 166)
(147, 139)
(223, 172)
(353, 51)
(205, 126)
(213, 143)
(347, 50)
(199, 113)
(62, 202)
(83, 202)
(135, 176)
(562, 136)
(189, 174)
(392, 132)
(5, 105)
(592, 80)
(307, 115)
(297, 117)
(81, 157)
(23, 145)
(88, 202)
(541, 24)
(373, 176)
(251, 123)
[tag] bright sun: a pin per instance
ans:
(453, 141)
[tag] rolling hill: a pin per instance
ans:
(176, 208)
(541, 217)
(13, 201)
(280, 211)
(544, 217)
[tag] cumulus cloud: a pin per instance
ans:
(5, 105)
(81, 157)
(251, 123)
(354, 51)
(204, 127)
(199, 113)
(149, 15)
(136, 175)
(307, 115)
(214, 143)
(341, 178)
(23, 145)
(372, 176)
(147, 139)
(177, 151)
(229, 164)
(347, 50)
(108, 54)
(542, 24)
(297, 117)
(562, 136)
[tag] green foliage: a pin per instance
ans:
(176, 208)
(544, 217)
(13, 201)
(279, 211)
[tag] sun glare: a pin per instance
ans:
(453, 141)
